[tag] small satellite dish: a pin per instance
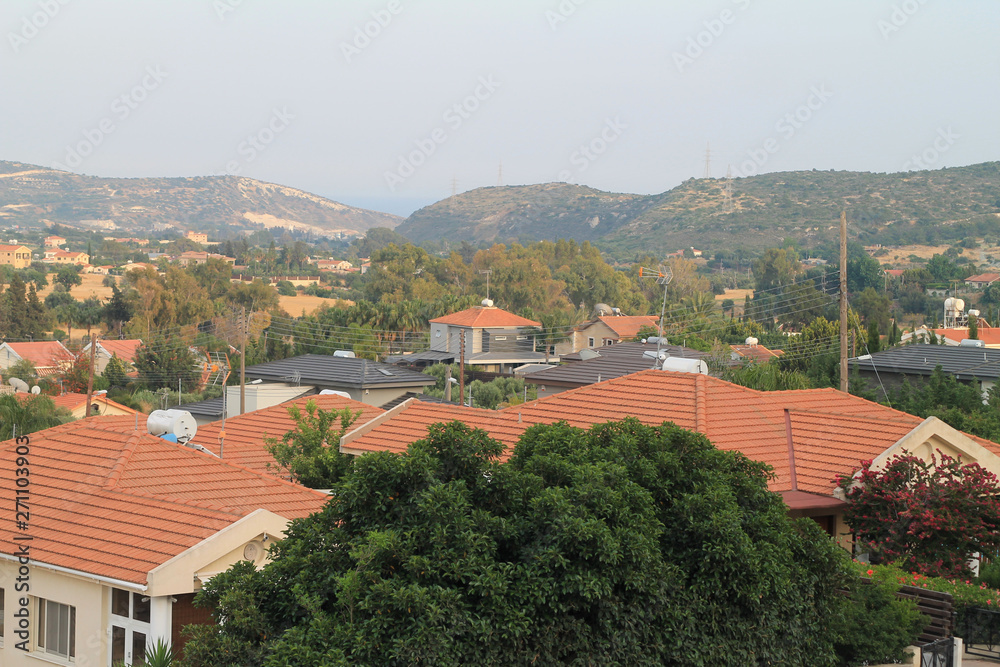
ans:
(36, 390)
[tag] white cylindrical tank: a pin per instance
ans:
(178, 423)
(685, 365)
(959, 305)
(751, 341)
(487, 303)
(949, 303)
(974, 312)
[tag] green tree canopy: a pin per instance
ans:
(622, 545)
(310, 452)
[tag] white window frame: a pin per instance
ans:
(127, 623)
(590, 342)
(41, 636)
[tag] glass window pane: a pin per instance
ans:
(140, 609)
(63, 615)
(138, 648)
(72, 632)
(117, 644)
(52, 626)
(119, 602)
(41, 624)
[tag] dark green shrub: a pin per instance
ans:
(875, 626)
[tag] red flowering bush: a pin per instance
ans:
(928, 517)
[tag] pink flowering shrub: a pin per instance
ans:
(930, 517)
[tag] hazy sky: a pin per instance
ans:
(384, 104)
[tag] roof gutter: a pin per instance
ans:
(117, 583)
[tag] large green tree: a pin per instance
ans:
(624, 545)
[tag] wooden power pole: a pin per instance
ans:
(843, 301)
(90, 376)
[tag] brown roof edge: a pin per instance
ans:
(371, 424)
(803, 500)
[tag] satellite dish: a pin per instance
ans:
(603, 310)
(18, 384)
(36, 390)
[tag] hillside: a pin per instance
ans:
(33, 196)
(761, 212)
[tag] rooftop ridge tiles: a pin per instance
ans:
(114, 475)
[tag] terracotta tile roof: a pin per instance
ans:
(627, 326)
(989, 335)
(831, 431)
(46, 353)
(125, 349)
(482, 317)
(113, 502)
(11, 248)
(755, 352)
(896, 273)
(72, 401)
(244, 443)
(983, 278)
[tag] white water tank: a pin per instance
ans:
(974, 312)
(959, 305)
(177, 423)
(752, 342)
(969, 342)
(487, 303)
(685, 365)
(949, 303)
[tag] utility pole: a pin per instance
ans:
(843, 301)
(461, 368)
(90, 377)
(447, 384)
(243, 359)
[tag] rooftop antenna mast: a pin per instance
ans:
(664, 274)
(488, 273)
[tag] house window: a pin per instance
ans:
(129, 627)
(590, 342)
(501, 338)
(609, 341)
(57, 629)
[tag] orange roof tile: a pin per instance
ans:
(831, 431)
(244, 443)
(42, 354)
(71, 401)
(755, 352)
(485, 317)
(115, 502)
(989, 335)
(983, 278)
(125, 349)
(627, 326)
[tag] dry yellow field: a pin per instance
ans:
(91, 287)
(737, 295)
(295, 305)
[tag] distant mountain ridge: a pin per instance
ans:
(33, 196)
(754, 212)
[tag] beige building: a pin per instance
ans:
(64, 257)
(197, 237)
(18, 256)
(120, 540)
(605, 330)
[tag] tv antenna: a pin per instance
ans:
(663, 275)
(488, 272)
